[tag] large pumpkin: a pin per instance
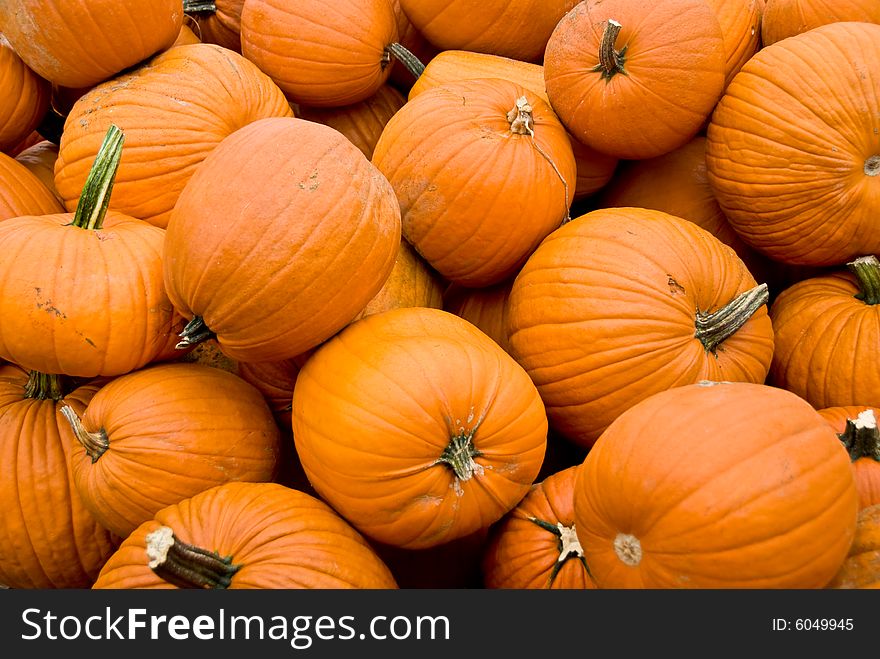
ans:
(857, 428)
(861, 569)
(22, 192)
(281, 237)
(25, 98)
(716, 485)
(793, 153)
(633, 80)
(417, 428)
(622, 303)
(77, 43)
(786, 18)
(246, 535)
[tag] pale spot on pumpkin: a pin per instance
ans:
(628, 549)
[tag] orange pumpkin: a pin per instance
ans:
(787, 18)
(861, 568)
(632, 80)
(415, 42)
(622, 303)
(25, 98)
(246, 535)
(417, 427)
(716, 485)
(740, 22)
(22, 192)
(857, 429)
(40, 159)
(793, 154)
(217, 21)
(485, 308)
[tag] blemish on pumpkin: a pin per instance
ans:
(48, 307)
(674, 287)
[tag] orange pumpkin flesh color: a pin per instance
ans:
(22, 192)
(24, 101)
(861, 569)
(857, 428)
(716, 485)
(786, 18)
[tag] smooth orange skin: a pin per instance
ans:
(48, 539)
(826, 341)
(282, 538)
(732, 485)
(77, 43)
(40, 159)
(197, 425)
(462, 176)
(280, 238)
(174, 110)
(788, 146)
(740, 23)
(522, 555)
(485, 308)
(861, 569)
(337, 56)
(375, 407)
(22, 192)
(787, 18)
(866, 469)
(25, 98)
(223, 26)
(675, 75)
(602, 315)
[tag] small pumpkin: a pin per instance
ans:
(857, 429)
(861, 568)
(787, 18)
(25, 98)
(22, 192)
(40, 159)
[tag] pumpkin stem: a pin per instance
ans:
(187, 566)
(872, 166)
(628, 549)
(95, 198)
(459, 456)
(199, 6)
(41, 386)
(195, 332)
(867, 271)
(405, 56)
(95, 443)
(611, 61)
(568, 544)
(861, 437)
(714, 328)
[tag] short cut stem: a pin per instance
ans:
(712, 329)
(185, 565)
(405, 56)
(611, 61)
(867, 272)
(95, 198)
(95, 443)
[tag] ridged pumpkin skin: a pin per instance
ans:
(861, 569)
(196, 425)
(47, 537)
(221, 26)
(308, 232)
(787, 18)
(731, 485)
(604, 314)
(464, 168)
(740, 22)
(866, 467)
(485, 308)
(417, 428)
(40, 159)
(535, 545)
(280, 537)
(274, 380)
(77, 43)
(511, 28)
(673, 74)
(22, 192)
(794, 153)
(25, 97)
(174, 110)
(338, 56)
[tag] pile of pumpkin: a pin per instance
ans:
(374, 294)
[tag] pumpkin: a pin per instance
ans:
(468, 158)
(622, 303)
(217, 21)
(417, 428)
(787, 18)
(196, 425)
(186, 37)
(25, 98)
(857, 429)
(174, 110)
(83, 292)
(411, 39)
(40, 159)
(48, 539)
(716, 485)
(246, 535)
(512, 28)
(827, 329)
(861, 568)
(310, 231)
(740, 23)
(22, 192)
(77, 43)
(362, 123)
(485, 308)
(793, 154)
(339, 57)
(635, 81)
(274, 380)
(535, 546)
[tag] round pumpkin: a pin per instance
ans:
(217, 21)
(740, 23)
(857, 429)
(246, 535)
(535, 546)
(485, 308)
(793, 153)
(622, 303)
(77, 43)
(633, 80)
(465, 159)
(40, 159)
(25, 98)
(417, 428)
(194, 425)
(787, 18)
(716, 485)
(308, 234)
(861, 568)
(22, 192)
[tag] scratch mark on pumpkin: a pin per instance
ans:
(674, 287)
(48, 307)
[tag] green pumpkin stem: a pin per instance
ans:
(194, 333)
(567, 544)
(185, 565)
(712, 329)
(611, 61)
(95, 198)
(861, 438)
(405, 56)
(459, 456)
(199, 6)
(867, 271)
(41, 386)
(95, 443)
